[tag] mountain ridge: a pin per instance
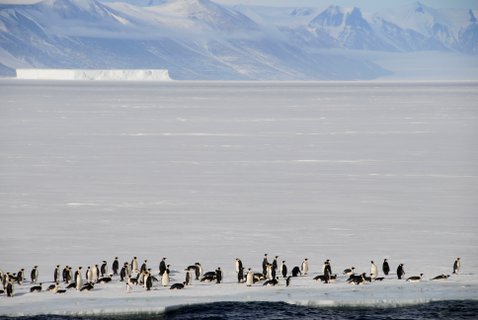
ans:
(201, 39)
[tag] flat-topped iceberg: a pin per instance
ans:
(95, 74)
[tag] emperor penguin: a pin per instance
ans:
(36, 288)
(162, 266)
(274, 267)
(115, 266)
(78, 279)
(218, 275)
(456, 266)
(265, 262)
(56, 274)
(283, 269)
(400, 271)
(269, 272)
(9, 288)
(88, 275)
(385, 267)
(305, 266)
(177, 286)
(34, 274)
(104, 269)
(64, 274)
(415, 278)
(94, 273)
(134, 265)
(148, 281)
(188, 279)
(238, 265)
(373, 270)
(327, 268)
(249, 277)
(165, 277)
(124, 272)
(21, 276)
(144, 266)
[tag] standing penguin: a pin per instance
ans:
(327, 268)
(115, 266)
(269, 272)
(239, 270)
(124, 272)
(78, 279)
(9, 288)
(265, 262)
(305, 266)
(385, 267)
(283, 269)
(162, 266)
(64, 274)
(165, 277)
(148, 281)
(249, 277)
(104, 269)
(373, 270)
(95, 271)
(56, 274)
(134, 265)
(456, 266)
(89, 275)
(188, 279)
(218, 275)
(144, 266)
(34, 274)
(400, 271)
(274, 267)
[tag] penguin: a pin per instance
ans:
(165, 277)
(20, 276)
(88, 275)
(272, 282)
(197, 268)
(283, 269)
(115, 266)
(305, 266)
(249, 277)
(296, 271)
(71, 285)
(441, 277)
(357, 280)
(10, 288)
(385, 267)
(400, 271)
(327, 268)
(64, 274)
(56, 288)
(36, 288)
(269, 272)
(188, 279)
(265, 262)
(349, 271)
(326, 278)
(104, 269)
(218, 275)
(287, 281)
(78, 279)
(105, 279)
(56, 274)
(148, 281)
(129, 285)
(258, 276)
(95, 271)
(70, 274)
(238, 265)
(177, 286)
(456, 266)
(274, 267)
(52, 287)
(240, 275)
(373, 270)
(144, 266)
(209, 276)
(87, 287)
(34, 274)
(415, 278)
(134, 265)
(124, 272)
(162, 266)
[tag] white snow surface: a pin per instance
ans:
(212, 171)
(94, 74)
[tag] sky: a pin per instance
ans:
(370, 5)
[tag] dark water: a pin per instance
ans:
(277, 310)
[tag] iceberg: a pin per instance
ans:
(95, 74)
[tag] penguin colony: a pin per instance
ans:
(133, 275)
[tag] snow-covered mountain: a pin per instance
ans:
(200, 39)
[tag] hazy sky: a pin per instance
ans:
(364, 4)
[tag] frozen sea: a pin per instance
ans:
(212, 171)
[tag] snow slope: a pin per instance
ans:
(75, 74)
(212, 171)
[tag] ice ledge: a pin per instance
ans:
(95, 74)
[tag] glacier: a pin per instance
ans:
(91, 74)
